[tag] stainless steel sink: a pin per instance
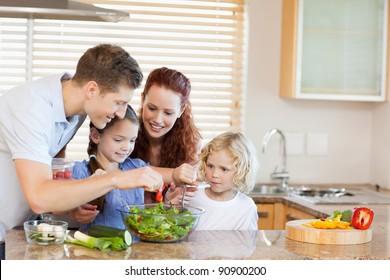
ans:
(355, 196)
(324, 195)
(268, 190)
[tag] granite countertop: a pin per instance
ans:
(251, 245)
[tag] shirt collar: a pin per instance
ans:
(57, 98)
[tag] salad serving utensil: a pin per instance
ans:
(121, 198)
(182, 197)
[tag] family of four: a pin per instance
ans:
(130, 157)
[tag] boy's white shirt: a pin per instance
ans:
(239, 213)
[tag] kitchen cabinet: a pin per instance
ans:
(273, 216)
(266, 216)
(293, 213)
(280, 216)
(335, 50)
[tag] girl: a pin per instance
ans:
(228, 164)
(167, 136)
(109, 149)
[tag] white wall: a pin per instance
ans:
(380, 156)
(350, 126)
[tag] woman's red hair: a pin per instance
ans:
(182, 143)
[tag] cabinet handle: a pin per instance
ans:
(291, 217)
(262, 214)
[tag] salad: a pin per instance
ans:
(159, 223)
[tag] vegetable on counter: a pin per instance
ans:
(48, 233)
(345, 215)
(332, 222)
(106, 231)
(362, 218)
(101, 243)
(358, 218)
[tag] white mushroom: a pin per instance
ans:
(45, 229)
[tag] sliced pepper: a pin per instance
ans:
(159, 194)
(329, 223)
(362, 218)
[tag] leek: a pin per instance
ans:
(92, 241)
(117, 243)
(70, 239)
(101, 243)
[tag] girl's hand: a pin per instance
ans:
(174, 194)
(184, 174)
(84, 214)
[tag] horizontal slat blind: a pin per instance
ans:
(203, 39)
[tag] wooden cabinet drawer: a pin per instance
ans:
(266, 216)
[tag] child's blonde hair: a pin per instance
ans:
(244, 156)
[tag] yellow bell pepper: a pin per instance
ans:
(329, 223)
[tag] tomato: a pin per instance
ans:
(362, 218)
(67, 174)
(159, 194)
(59, 175)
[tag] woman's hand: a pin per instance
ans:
(184, 174)
(174, 194)
(84, 214)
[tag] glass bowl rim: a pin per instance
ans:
(126, 209)
(31, 223)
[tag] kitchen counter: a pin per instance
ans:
(251, 245)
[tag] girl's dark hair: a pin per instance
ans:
(93, 164)
(181, 144)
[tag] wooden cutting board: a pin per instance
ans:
(296, 231)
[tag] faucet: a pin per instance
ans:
(283, 174)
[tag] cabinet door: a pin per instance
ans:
(266, 216)
(296, 214)
(279, 216)
(334, 49)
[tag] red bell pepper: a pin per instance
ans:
(362, 218)
(159, 194)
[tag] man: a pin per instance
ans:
(39, 118)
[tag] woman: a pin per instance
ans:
(167, 136)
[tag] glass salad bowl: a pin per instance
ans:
(45, 232)
(159, 222)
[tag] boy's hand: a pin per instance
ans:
(174, 194)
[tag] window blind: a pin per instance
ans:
(204, 39)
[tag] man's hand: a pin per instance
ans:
(144, 177)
